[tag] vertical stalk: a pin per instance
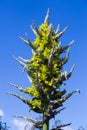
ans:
(46, 126)
(45, 123)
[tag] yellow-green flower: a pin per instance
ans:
(33, 92)
(35, 103)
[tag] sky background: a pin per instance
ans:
(15, 19)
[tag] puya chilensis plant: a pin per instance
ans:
(46, 72)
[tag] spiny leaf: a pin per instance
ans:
(60, 126)
(20, 97)
(66, 47)
(31, 120)
(24, 60)
(22, 89)
(64, 60)
(61, 33)
(28, 43)
(21, 63)
(57, 30)
(47, 16)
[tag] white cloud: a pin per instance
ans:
(1, 112)
(22, 124)
(68, 128)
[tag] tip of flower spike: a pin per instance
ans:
(71, 42)
(78, 90)
(58, 28)
(72, 68)
(47, 16)
(21, 63)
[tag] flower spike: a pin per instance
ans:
(46, 72)
(47, 17)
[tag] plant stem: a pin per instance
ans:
(45, 123)
(46, 126)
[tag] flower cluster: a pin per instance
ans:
(45, 70)
(45, 62)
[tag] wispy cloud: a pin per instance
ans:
(22, 125)
(1, 112)
(68, 128)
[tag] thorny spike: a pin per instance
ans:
(60, 126)
(20, 97)
(18, 87)
(68, 52)
(70, 73)
(29, 78)
(60, 79)
(21, 63)
(58, 28)
(67, 57)
(47, 16)
(24, 60)
(26, 34)
(25, 67)
(38, 124)
(28, 43)
(56, 95)
(60, 110)
(77, 90)
(61, 33)
(56, 112)
(52, 114)
(35, 29)
(58, 103)
(64, 76)
(27, 37)
(30, 73)
(67, 46)
(68, 95)
(59, 43)
(71, 43)
(62, 49)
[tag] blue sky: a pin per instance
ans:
(15, 19)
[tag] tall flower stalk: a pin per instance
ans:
(46, 72)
